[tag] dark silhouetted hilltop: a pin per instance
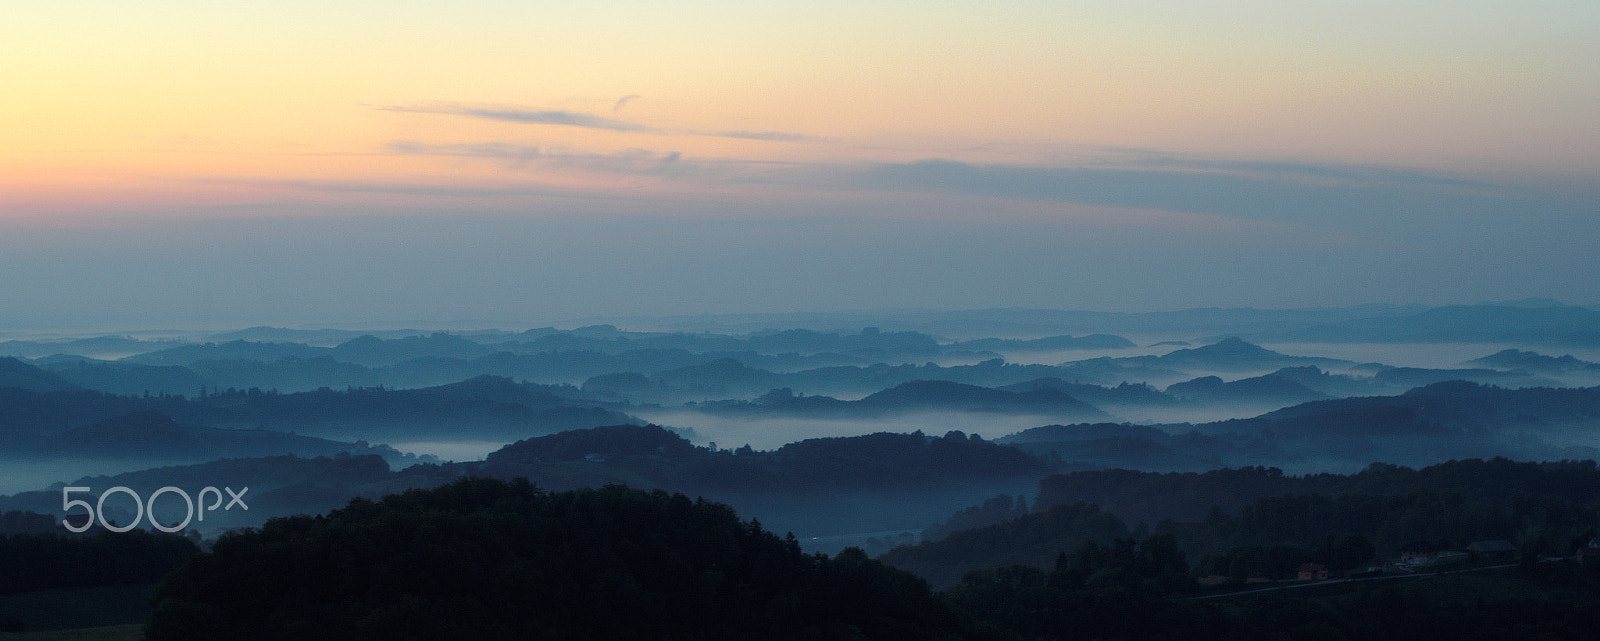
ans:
(1534, 361)
(1269, 388)
(1235, 353)
(722, 376)
(19, 374)
(914, 396)
(661, 458)
(1049, 343)
(523, 563)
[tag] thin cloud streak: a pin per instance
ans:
(590, 121)
(382, 188)
(777, 136)
(503, 150)
(1368, 201)
(628, 161)
(623, 101)
(525, 116)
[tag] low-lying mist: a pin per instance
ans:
(458, 451)
(1431, 355)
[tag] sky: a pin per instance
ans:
(175, 163)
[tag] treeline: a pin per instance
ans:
(1442, 421)
(1123, 589)
(1332, 520)
(1538, 524)
(420, 361)
(999, 509)
(26, 522)
(1189, 496)
(819, 483)
(33, 421)
(51, 560)
(271, 486)
(1034, 540)
(1139, 591)
(918, 395)
(650, 454)
(483, 558)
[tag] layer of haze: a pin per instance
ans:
(183, 163)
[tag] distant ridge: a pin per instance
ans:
(150, 434)
(15, 373)
(1234, 353)
(1534, 361)
(1560, 325)
(1025, 323)
(916, 396)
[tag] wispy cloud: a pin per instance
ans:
(526, 116)
(473, 150)
(631, 161)
(438, 190)
(586, 120)
(1371, 199)
(779, 136)
(623, 101)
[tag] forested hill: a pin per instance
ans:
(1442, 421)
(1466, 404)
(486, 559)
(655, 457)
(15, 373)
(1189, 496)
(277, 486)
(1260, 523)
(817, 486)
(486, 407)
(914, 396)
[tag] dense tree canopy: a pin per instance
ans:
(490, 559)
(55, 559)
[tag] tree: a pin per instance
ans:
(482, 558)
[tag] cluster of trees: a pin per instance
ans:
(1137, 585)
(1539, 524)
(999, 509)
(482, 558)
(1338, 555)
(486, 405)
(1123, 592)
(50, 560)
(1188, 496)
(1446, 420)
(663, 458)
(27, 522)
(916, 395)
(1032, 540)
(277, 486)
(1124, 589)
(1268, 530)
(418, 361)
